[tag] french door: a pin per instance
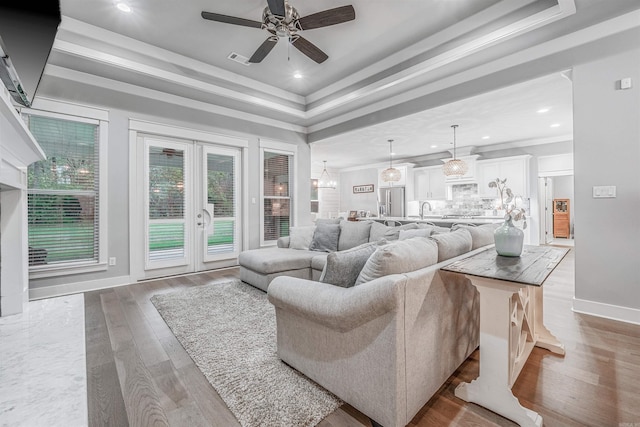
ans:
(191, 206)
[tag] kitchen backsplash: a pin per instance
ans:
(463, 205)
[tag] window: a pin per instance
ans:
(277, 204)
(64, 193)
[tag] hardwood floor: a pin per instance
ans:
(138, 373)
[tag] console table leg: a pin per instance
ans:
(544, 338)
(492, 387)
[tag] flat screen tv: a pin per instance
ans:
(27, 32)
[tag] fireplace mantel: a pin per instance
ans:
(18, 149)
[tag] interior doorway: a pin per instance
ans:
(557, 190)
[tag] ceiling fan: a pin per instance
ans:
(282, 20)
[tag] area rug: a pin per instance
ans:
(229, 330)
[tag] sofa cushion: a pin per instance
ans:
(452, 244)
(418, 232)
(273, 260)
(319, 261)
(481, 235)
(401, 256)
(393, 233)
(435, 229)
(325, 237)
(353, 233)
(343, 267)
(377, 231)
(300, 237)
(328, 221)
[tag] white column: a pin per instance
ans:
(14, 252)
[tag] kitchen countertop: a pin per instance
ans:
(443, 220)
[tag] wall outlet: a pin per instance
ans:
(112, 260)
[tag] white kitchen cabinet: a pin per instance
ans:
(515, 169)
(429, 183)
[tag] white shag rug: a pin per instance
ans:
(229, 330)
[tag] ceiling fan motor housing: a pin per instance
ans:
(281, 26)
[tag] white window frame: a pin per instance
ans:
(290, 150)
(82, 114)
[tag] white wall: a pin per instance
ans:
(361, 201)
(607, 152)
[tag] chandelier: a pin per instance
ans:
(391, 174)
(325, 180)
(455, 167)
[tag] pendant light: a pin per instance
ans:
(455, 167)
(325, 180)
(391, 174)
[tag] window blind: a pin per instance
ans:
(221, 193)
(277, 198)
(63, 199)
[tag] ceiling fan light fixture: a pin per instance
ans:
(391, 174)
(325, 180)
(455, 167)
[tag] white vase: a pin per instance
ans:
(509, 239)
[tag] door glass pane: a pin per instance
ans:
(166, 203)
(221, 202)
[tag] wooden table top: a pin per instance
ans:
(532, 267)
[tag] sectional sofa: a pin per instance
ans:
(386, 342)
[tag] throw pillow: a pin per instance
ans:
(377, 231)
(353, 233)
(300, 237)
(481, 235)
(327, 221)
(325, 238)
(401, 256)
(452, 244)
(393, 233)
(342, 268)
(418, 232)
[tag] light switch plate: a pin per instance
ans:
(604, 191)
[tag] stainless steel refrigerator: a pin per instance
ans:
(391, 202)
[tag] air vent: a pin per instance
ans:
(239, 58)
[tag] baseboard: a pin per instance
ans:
(608, 311)
(77, 287)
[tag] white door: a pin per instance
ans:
(545, 194)
(191, 207)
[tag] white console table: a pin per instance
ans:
(511, 324)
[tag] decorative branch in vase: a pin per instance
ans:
(509, 239)
(511, 204)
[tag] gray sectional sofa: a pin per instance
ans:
(387, 339)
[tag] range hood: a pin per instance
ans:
(27, 32)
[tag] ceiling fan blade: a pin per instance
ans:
(231, 20)
(309, 49)
(327, 17)
(263, 50)
(276, 7)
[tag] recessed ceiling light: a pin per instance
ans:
(434, 146)
(555, 125)
(486, 137)
(123, 7)
(297, 75)
(543, 110)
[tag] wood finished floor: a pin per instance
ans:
(139, 375)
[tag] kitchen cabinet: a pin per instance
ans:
(429, 183)
(515, 169)
(561, 218)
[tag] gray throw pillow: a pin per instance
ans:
(342, 268)
(325, 238)
(481, 235)
(377, 231)
(327, 221)
(394, 232)
(418, 232)
(452, 244)
(353, 233)
(300, 237)
(401, 256)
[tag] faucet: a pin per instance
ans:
(422, 209)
